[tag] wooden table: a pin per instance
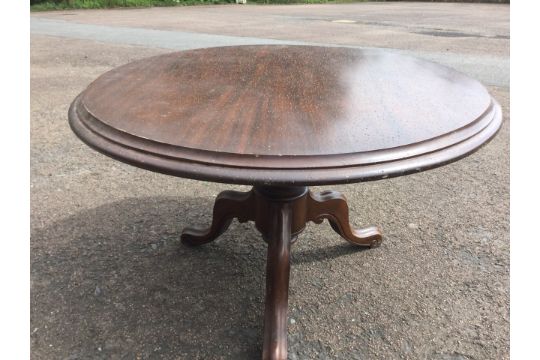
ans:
(282, 118)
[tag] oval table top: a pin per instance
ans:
(285, 115)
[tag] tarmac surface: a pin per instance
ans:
(110, 280)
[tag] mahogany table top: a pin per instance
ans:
(285, 115)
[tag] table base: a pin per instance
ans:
(280, 214)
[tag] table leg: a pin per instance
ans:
(277, 283)
(332, 205)
(229, 205)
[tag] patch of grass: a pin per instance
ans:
(102, 4)
(47, 5)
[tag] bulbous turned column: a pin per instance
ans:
(277, 220)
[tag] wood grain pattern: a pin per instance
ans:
(275, 114)
(255, 99)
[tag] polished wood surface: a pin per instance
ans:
(279, 115)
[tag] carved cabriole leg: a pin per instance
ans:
(228, 205)
(332, 205)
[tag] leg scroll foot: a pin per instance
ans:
(228, 205)
(332, 205)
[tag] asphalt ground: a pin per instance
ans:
(110, 279)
